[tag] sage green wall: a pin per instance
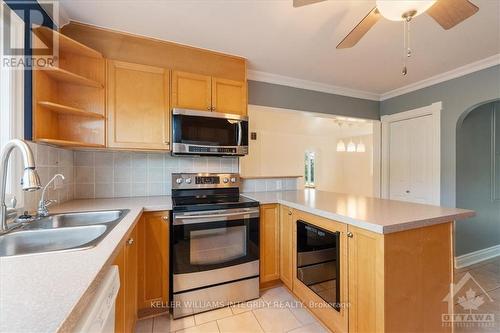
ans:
(478, 183)
(279, 96)
(459, 96)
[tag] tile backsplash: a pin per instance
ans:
(103, 174)
(269, 184)
(128, 174)
(50, 161)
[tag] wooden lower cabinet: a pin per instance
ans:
(366, 281)
(269, 244)
(126, 302)
(286, 246)
(389, 283)
(143, 265)
(153, 268)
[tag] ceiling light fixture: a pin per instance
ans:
(351, 147)
(341, 146)
(400, 10)
(361, 148)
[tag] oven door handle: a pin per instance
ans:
(190, 219)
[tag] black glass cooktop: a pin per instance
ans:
(209, 199)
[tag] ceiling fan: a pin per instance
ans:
(448, 13)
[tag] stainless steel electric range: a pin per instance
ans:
(214, 237)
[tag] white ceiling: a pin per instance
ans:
(300, 42)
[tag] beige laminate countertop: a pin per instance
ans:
(47, 292)
(377, 215)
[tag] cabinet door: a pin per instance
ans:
(229, 96)
(191, 91)
(366, 276)
(286, 246)
(138, 106)
(153, 263)
(120, 299)
(131, 252)
(269, 243)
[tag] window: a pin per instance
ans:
(12, 110)
(309, 169)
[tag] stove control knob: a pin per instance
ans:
(225, 180)
(188, 180)
(233, 179)
(179, 180)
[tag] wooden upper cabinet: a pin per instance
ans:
(269, 243)
(138, 106)
(191, 91)
(202, 92)
(229, 96)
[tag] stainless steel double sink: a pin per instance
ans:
(61, 232)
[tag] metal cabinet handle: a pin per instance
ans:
(349, 234)
(289, 212)
(209, 108)
(165, 218)
(130, 241)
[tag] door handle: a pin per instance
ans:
(350, 235)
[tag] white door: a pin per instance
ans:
(411, 161)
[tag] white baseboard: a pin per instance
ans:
(477, 256)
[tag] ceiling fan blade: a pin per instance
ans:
(300, 3)
(449, 13)
(360, 30)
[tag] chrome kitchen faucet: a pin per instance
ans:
(30, 180)
(43, 204)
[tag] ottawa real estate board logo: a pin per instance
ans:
(27, 40)
(467, 305)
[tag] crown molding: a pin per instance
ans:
(310, 85)
(453, 74)
(331, 89)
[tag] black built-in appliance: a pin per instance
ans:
(318, 261)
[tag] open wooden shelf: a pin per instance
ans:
(63, 109)
(67, 44)
(66, 143)
(60, 74)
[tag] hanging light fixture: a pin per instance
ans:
(400, 10)
(341, 146)
(351, 147)
(360, 148)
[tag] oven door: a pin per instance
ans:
(212, 247)
(208, 133)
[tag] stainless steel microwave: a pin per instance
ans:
(208, 133)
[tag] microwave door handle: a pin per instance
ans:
(240, 133)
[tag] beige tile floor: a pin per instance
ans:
(278, 311)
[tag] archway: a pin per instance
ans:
(478, 181)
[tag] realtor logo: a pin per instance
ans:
(465, 300)
(23, 42)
